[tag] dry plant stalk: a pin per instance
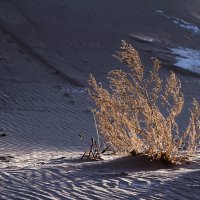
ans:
(95, 151)
(128, 113)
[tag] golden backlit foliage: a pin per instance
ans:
(138, 115)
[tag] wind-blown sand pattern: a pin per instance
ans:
(47, 50)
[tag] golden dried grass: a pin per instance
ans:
(129, 117)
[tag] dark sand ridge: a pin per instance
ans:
(47, 50)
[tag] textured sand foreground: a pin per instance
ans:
(47, 50)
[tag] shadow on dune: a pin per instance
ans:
(127, 164)
(137, 177)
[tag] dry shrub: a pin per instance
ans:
(138, 115)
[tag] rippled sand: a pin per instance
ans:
(47, 50)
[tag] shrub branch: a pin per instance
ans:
(130, 116)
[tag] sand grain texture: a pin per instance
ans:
(47, 50)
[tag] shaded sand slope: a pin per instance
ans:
(47, 50)
(78, 37)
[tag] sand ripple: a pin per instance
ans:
(62, 178)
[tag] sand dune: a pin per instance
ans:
(47, 50)
(64, 178)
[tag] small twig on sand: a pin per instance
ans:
(94, 153)
(6, 158)
(104, 150)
